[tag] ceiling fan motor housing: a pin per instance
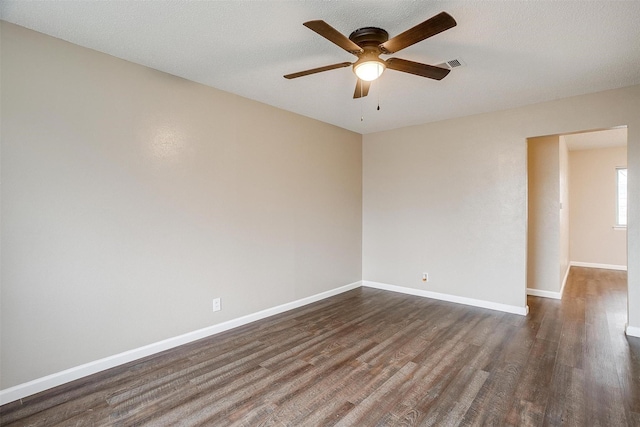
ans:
(369, 39)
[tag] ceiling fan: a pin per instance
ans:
(369, 43)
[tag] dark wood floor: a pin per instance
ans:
(371, 357)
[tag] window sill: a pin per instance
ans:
(620, 227)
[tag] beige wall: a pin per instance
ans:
(593, 201)
(548, 214)
(449, 197)
(565, 209)
(132, 198)
(544, 226)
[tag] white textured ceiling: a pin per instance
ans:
(515, 53)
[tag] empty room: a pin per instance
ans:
(309, 213)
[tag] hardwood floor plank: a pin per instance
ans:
(566, 404)
(551, 325)
(379, 402)
(571, 348)
(372, 357)
(602, 382)
(489, 407)
(456, 400)
(431, 384)
(533, 388)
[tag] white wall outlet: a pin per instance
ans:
(216, 304)
(425, 277)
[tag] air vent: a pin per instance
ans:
(454, 63)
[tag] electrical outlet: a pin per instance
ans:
(425, 277)
(216, 304)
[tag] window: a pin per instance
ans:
(621, 197)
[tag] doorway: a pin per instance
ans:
(574, 201)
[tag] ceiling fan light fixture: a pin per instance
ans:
(369, 69)
(368, 43)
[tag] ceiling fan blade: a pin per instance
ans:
(432, 26)
(334, 36)
(417, 68)
(317, 70)
(362, 89)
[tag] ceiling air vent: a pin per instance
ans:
(454, 63)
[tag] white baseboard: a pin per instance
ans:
(41, 384)
(632, 331)
(543, 293)
(550, 294)
(450, 298)
(596, 265)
